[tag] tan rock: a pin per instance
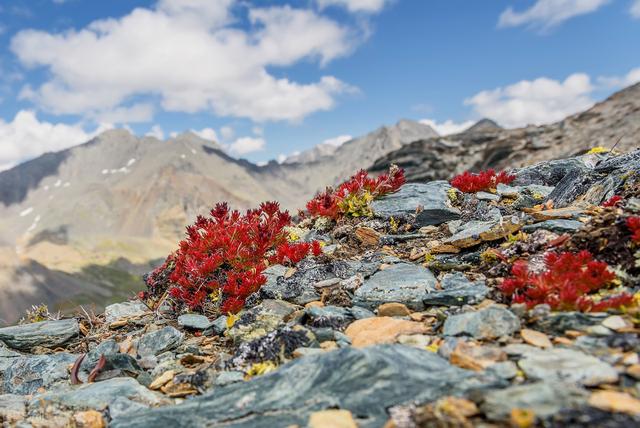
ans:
(536, 338)
(329, 345)
(634, 371)
(162, 380)
(314, 304)
(89, 419)
(613, 401)
(367, 236)
(616, 323)
(372, 331)
(332, 419)
(473, 357)
(393, 310)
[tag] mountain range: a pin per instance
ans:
(79, 226)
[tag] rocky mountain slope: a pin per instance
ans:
(615, 121)
(93, 215)
(514, 304)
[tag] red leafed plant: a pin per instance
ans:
(613, 201)
(223, 256)
(566, 283)
(633, 223)
(469, 182)
(353, 196)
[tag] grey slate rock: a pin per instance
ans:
(558, 226)
(108, 347)
(335, 317)
(504, 369)
(486, 196)
(543, 398)
(550, 173)
(99, 395)
(26, 374)
(118, 311)
(567, 365)
(45, 333)
(12, 408)
(559, 322)
(402, 283)
(457, 290)
(232, 376)
(378, 377)
(217, 327)
(159, 341)
(194, 321)
(488, 323)
(432, 197)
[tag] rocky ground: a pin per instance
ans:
(399, 323)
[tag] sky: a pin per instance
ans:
(268, 78)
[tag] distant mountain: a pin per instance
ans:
(94, 216)
(613, 122)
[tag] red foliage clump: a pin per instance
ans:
(469, 182)
(613, 201)
(565, 284)
(633, 223)
(226, 253)
(328, 203)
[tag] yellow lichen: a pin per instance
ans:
(452, 194)
(231, 319)
(394, 225)
(258, 369)
(598, 149)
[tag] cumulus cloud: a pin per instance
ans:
(366, 6)
(156, 131)
(245, 145)
(27, 137)
(189, 55)
(536, 101)
(207, 133)
(337, 141)
(447, 127)
(635, 9)
(546, 14)
(632, 77)
(227, 132)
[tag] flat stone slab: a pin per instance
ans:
(118, 311)
(476, 232)
(45, 333)
(558, 226)
(431, 197)
(194, 321)
(487, 323)
(99, 395)
(457, 290)
(377, 377)
(401, 283)
(26, 374)
(567, 365)
(543, 398)
(159, 341)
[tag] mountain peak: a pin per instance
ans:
(483, 125)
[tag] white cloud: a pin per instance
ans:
(635, 9)
(156, 131)
(536, 101)
(628, 79)
(447, 127)
(245, 145)
(546, 14)
(227, 132)
(192, 57)
(337, 141)
(142, 112)
(366, 6)
(27, 137)
(207, 133)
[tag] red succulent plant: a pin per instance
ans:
(469, 182)
(566, 283)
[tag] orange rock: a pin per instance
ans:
(473, 357)
(372, 331)
(367, 236)
(314, 304)
(332, 419)
(522, 418)
(89, 419)
(393, 310)
(535, 338)
(612, 401)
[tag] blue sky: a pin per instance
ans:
(267, 78)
